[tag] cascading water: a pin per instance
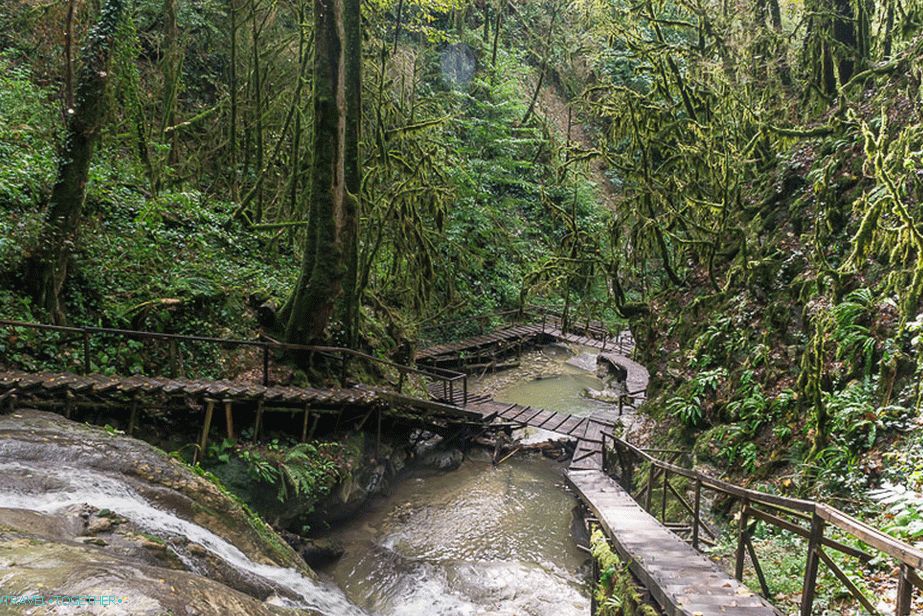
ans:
(55, 488)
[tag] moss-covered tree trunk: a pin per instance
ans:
(837, 43)
(172, 70)
(329, 265)
(84, 124)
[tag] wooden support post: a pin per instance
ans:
(304, 425)
(258, 423)
(133, 417)
(206, 427)
(904, 591)
(229, 418)
(696, 513)
(265, 365)
(663, 499)
(594, 606)
(86, 352)
(68, 403)
(742, 539)
(764, 586)
(649, 497)
(173, 365)
(313, 426)
(605, 466)
(846, 581)
(809, 587)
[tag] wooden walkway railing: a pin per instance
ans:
(804, 518)
(451, 381)
(495, 322)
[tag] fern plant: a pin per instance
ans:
(854, 339)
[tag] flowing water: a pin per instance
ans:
(47, 490)
(481, 540)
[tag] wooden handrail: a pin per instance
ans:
(901, 551)
(434, 372)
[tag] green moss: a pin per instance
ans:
(616, 592)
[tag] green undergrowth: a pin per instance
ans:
(616, 592)
(782, 558)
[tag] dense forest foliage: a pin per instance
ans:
(739, 182)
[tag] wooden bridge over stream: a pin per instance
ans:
(650, 508)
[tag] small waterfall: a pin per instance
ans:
(62, 486)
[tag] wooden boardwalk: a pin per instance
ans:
(511, 338)
(679, 578)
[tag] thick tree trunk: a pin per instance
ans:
(83, 129)
(328, 270)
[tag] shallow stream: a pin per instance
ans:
(480, 540)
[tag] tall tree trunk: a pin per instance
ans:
(256, 31)
(68, 56)
(837, 41)
(497, 26)
(397, 24)
(232, 88)
(329, 263)
(172, 70)
(543, 68)
(83, 129)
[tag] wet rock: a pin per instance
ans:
(321, 552)
(98, 525)
(443, 459)
(197, 550)
(154, 546)
(68, 569)
(95, 541)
